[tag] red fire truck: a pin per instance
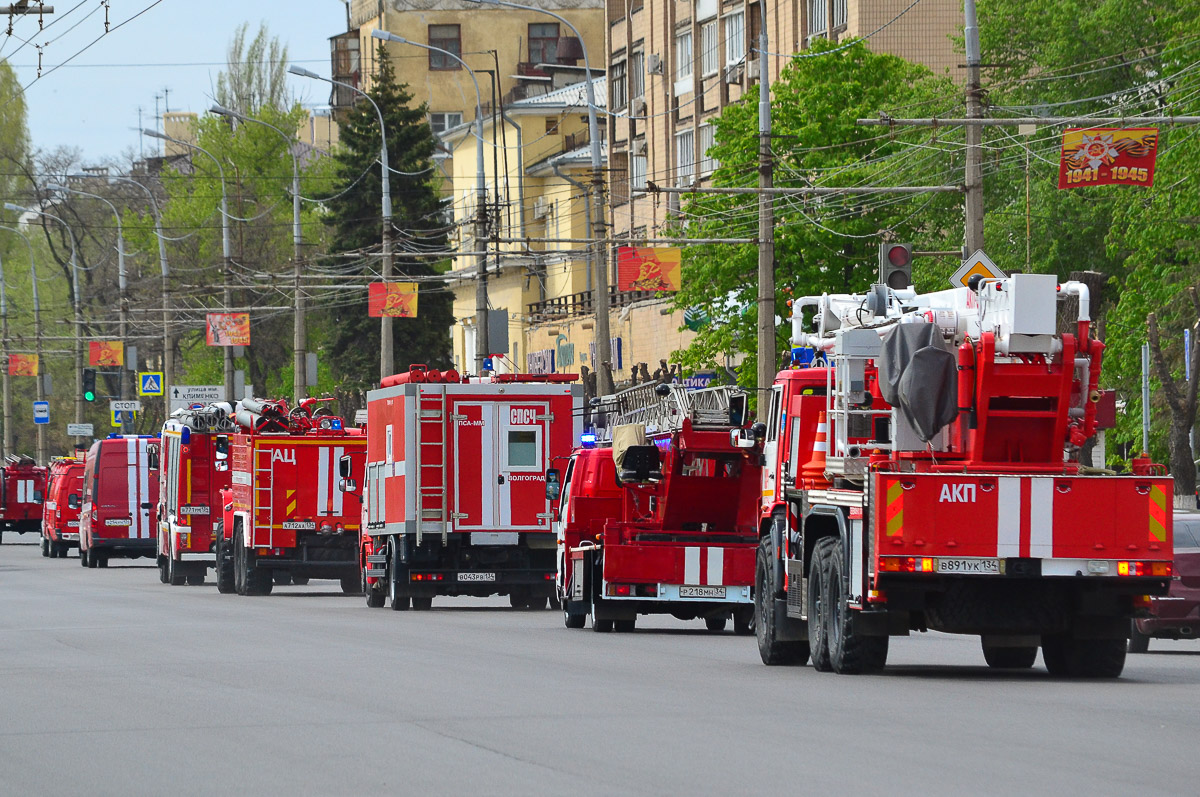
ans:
(22, 491)
(456, 482)
(193, 469)
(923, 473)
(662, 516)
(120, 491)
(64, 497)
(289, 513)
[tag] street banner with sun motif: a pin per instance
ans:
(1107, 156)
(392, 300)
(648, 268)
(108, 353)
(22, 365)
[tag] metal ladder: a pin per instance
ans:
(431, 462)
(263, 485)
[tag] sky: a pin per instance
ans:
(170, 48)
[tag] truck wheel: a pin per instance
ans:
(1138, 642)
(281, 578)
(352, 585)
(299, 581)
(519, 599)
(255, 580)
(101, 561)
(163, 575)
(1083, 658)
(818, 599)
(375, 596)
(716, 623)
(849, 653)
(625, 626)
(224, 568)
(175, 574)
(600, 626)
(93, 560)
(46, 548)
(83, 557)
(999, 658)
(422, 603)
(743, 621)
(399, 602)
(573, 620)
(239, 567)
(770, 649)
(197, 579)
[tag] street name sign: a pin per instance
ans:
(80, 429)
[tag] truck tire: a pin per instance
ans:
(716, 623)
(299, 581)
(101, 561)
(625, 626)
(575, 621)
(1003, 658)
(163, 575)
(83, 557)
(93, 560)
(770, 649)
(175, 573)
(281, 578)
(224, 568)
(1083, 658)
(520, 599)
(743, 621)
(817, 603)
(422, 603)
(375, 597)
(1138, 642)
(46, 548)
(254, 580)
(351, 585)
(849, 652)
(399, 601)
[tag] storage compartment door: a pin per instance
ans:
(523, 451)
(475, 465)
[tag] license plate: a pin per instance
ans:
(299, 525)
(985, 567)
(118, 522)
(476, 576)
(193, 510)
(702, 592)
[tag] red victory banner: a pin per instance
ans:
(392, 300)
(22, 365)
(649, 268)
(1107, 156)
(106, 353)
(227, 329)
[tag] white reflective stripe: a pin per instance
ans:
(143, 472)
(488, 489)
(338, 453)
(131, 485)
(322, 481)
(1008, 516)
(1041, 518)
(691, 566)
(716, 566)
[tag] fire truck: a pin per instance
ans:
(288, 512)
(64, 497)
(923, 473)
(193, 466)
(456, 482)
(22, 492)
(662, 516)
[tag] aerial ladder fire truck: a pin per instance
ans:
(289, 511)
(661, 515)
(923, 473)
(193, 467)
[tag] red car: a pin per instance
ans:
(1175, 615)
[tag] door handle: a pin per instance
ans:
(500, 479)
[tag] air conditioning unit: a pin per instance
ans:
(654, 65)
(734, 72)
(637, 107)
(541, 207)
(752, 69)
(638, 147)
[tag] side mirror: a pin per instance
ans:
(344, 467)
(221, 447)
(553, 484)
(348, 485)
(742, 438)
(151, 457)
(221, 465)
(72, 501)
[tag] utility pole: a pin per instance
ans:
(973, 237)
(8, 430)
(37, 328)
(766, 222)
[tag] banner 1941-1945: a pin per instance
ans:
(1107, 156)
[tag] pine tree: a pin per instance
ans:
(355, 218)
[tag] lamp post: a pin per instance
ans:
(37, 330)
(168, 353)
(227, 257)
(77, 301)
(481, 293)
(299, 332)
(387, 364)
(603, 368)
(122, 284)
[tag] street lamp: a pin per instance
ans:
(604, 383)
(123, 323)
(386, 358)
(481, 295)
(226, 289)
(77, 302)
(37, 330)
(299, 332)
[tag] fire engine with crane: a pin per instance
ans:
(923, 473)
(193, 466)
(287, 516)
(455, 484)
(22, 493)
(661, 515)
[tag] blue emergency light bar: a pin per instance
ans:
(588, 440)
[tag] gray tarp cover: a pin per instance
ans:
(920, 377)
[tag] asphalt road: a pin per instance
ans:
(114, 684)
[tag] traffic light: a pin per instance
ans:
(89, 384)
(895, 265)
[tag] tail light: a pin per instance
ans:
(425, 577)
(906, 564)
(1160, 569)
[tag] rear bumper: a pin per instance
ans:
(21, 526)
(125, 547)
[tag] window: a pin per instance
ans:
(637, 172)
(441, 122)
(543, 43)
(707, 139)
(735, 38)
(637, 75)
(706, 9)
(522, 449)
(710, 53)
(619, 98)
(816, 16)
(447, 37)
(683, 63)
(685, 157)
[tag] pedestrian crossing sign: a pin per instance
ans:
(120, 416)
(150, 383)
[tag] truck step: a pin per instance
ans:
(377, 559)
(376, 572)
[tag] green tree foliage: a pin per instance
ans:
(255, 76)
(354, 217)
(828, 243)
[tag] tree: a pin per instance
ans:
(827, 243)
(354, 217)
(256, 75)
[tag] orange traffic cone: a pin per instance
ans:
(813, 473)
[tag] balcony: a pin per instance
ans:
(582, 303)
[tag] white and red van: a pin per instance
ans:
(120, 492)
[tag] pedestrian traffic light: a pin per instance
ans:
(895, 265)
(89, 384)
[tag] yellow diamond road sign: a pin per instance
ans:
(978, 263)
